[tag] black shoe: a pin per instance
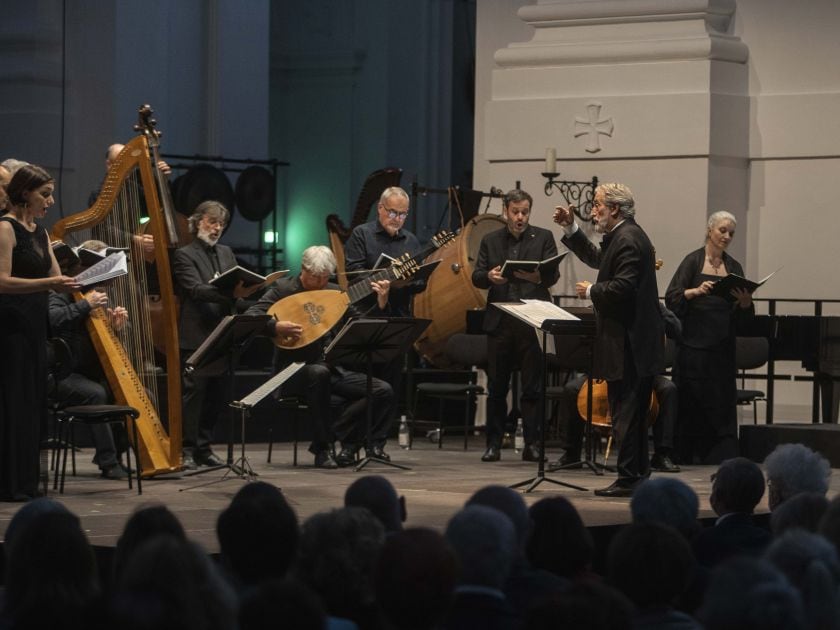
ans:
(663, 463)
(347, 456)
(378, 452)
(531, 453)
(325, 459)
(615, 490)
(491, 454)
(115, 471)
(208, 458)
(187, 461)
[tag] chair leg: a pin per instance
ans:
(467, 400)
(68, 431)
(294, 437)
(57, 450)
(440, 423)
(137, 465)
(270, 444)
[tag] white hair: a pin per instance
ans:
(318, 259)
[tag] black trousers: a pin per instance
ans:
(513, 344)
(629, 402)
(76, 389)
(205, 401)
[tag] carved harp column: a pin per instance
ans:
(128, 356)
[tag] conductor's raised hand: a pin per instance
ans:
(564, 216)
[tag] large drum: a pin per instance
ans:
(450, 292)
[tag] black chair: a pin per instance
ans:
(68, 417)
(750, 353)
(464, 351)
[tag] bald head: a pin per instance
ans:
(112, 153)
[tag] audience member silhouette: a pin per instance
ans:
(737, 488)
(525, 584)
(667, 501)
(415, 579)
(171, 583)
(144, 524)
(811, 565)
(559, 542)
(750, 594)
(585, 605)
(829, 525)
(802, 511)
(485, 544)
(277, 604)
(794, 468)
(652, 565)
(337, 558)
(258, 535)
(51, 575)
(378, 495)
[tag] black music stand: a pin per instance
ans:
(544, 327)
(369, 341)
(241, 467)
(220, 352)
(586, 335)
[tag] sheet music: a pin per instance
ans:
(269, 386)
(110, 267)
(534, 313)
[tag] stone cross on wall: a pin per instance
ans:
(593, 128)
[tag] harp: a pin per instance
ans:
(128, 357)
(338, 233)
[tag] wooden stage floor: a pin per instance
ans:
(438, 484)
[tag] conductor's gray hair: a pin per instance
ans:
(620, 195)
(318, 259)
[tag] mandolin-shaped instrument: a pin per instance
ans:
(318, 311)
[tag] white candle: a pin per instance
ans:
(550, 160)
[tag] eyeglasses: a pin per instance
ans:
(395, 214)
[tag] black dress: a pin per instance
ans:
(704, 371)
(23, 341)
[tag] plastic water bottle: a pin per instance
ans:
(519, 437)
(403, 435)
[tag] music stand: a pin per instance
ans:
(241, 467)
(369, 341)
(586, 337)
(220, 352)
(537, 313)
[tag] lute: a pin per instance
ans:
(318, 311)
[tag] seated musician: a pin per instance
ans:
(86, 384)
(318, 381)
(573, 424)
(203, 306)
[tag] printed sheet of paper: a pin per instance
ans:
(534, 313)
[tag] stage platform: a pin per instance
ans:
(438, 484)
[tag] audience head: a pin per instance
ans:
(144, 524)
(511, 504)
(585, 604)
(415, 579)
(737, 486)
(258, 534)
(378, 495)
(559, 542)
(811, 565)
(171, 583)
(485, 544)
(794, 468)
(750, 594)
(802, 511)
(829, 525)
(51, 575)
(26, 514)
(650, 563)
(281, 604)
(337, 559)
(667, 501)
